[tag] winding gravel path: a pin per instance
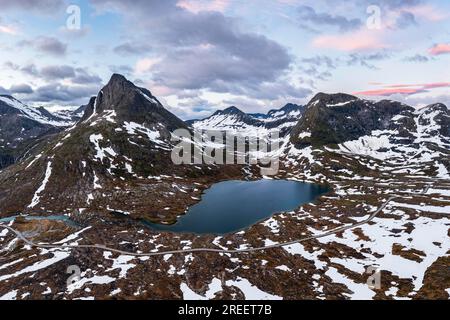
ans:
(20, 236)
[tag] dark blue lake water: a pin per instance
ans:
(234, 205)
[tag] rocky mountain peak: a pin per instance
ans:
(436, 107)
(117, 87)
(117, 78)
(290, 107)
(230, 111)
(287, 109)
(130, 103)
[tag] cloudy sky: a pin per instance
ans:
(201, 55)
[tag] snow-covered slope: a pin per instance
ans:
(69, 115)
(233, 119)
(21, 127)
(40, 115)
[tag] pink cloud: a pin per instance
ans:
(161, 91)
(437, 85)
(8, 30)
(423, 85)
(360, 40)
(145, 65)
(407, 89)
(389, 92)
(438, 49)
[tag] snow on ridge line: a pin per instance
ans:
(36, 197)
(152, 100)
(341, 104)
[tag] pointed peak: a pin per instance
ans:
(230, 110)
(116, 77)
(291, 106)
(119, 82)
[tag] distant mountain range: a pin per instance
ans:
(233, 119)
(22, 126)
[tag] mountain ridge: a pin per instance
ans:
(122, 145)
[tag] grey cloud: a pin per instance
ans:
(21, 89)
(366, 60)
(139, 7)
(45, 6)
(231, 56)
(76, 75)
(392, 4)
(51, 46)
(202, 51)
(284, 89)
(405, 20)
(317, 68)
(82, 76)
(308, 15)
(122, 69)
(75, 33)
(196, 104)
(11, 65)
(56, 92)
(17, 89)
(319, 61)
(417, 58)
(30, 69)
(320, 67)
(57, 72)
(132, 48)
(48, 45)
(217, 70)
